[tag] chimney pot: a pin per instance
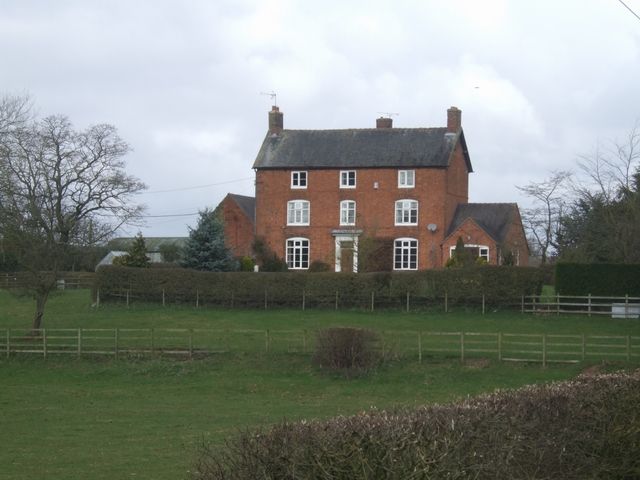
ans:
(454, 120)
(384, 122)
(276, 121)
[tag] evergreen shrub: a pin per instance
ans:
(601, 279)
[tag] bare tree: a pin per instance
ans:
(610, 169)
(542, 220)
(59, 188)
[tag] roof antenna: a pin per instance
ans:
(389, 114)
(273, 95)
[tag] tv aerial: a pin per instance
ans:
(389, 114)
(272, 95)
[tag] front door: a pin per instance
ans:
(346, 254)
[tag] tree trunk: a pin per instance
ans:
(41, 300)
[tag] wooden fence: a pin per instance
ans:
(621, 307)
(64, 280)
(504, 347)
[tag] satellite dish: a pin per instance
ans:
(432, 227)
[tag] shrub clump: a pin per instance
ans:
(347, 350)
(586, 428)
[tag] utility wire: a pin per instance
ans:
(629, 8)
(182, 189)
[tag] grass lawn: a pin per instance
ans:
(107, 419)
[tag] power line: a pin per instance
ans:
(629, 8)
(195, 187)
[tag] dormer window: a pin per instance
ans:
(299, 179)
(406, 179)
(348, 179)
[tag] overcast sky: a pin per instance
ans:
(538, 82)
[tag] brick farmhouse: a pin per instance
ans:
(380, 198)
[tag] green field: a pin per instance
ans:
(144, 418)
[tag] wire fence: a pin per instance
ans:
(418, 345)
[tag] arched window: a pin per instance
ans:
(297, 253)
(407, 212)
(298, 212)
(347, 212)
(405, 254)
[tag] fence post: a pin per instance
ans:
(626, 306)
(303, 299)
(97, 298)
(116, 343)
(163, 302)
(461, 347)
(383, 349)
(420, 347)
(8, 342)
(483, 304)
(544, 350)
(500, 346)
(197, 298)
(266, 341)
(522, 308)
(557, 304)
(232, 298)
(304, 341)
(265, 298)
(584, 347)
(190, 343)
(446, 302)
(589, 309)
(373, 296)
(127, 298)
(79, 342)
(407, 301)
(152, 340)
(336, 300)
(44, 342)
(628, 348)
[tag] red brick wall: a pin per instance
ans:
(472, 234)
(238, 228)
(375, 207)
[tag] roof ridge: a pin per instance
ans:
(360, 129)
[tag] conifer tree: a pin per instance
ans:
(205, 248)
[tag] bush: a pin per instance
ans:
(318, 266)
(586, 428)
(347, 350)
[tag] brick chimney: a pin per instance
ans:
(454, 120)
(276, 121)
(384, 122)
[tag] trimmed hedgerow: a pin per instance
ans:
(497, 284)
(586, 428)
(598, 279)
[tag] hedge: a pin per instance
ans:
(585, 428)
(601, 279)
(497, 284)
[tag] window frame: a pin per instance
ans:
(480, 248)
(406, 253)
(402, 223)
(406, 184)
(344, 208)
(296, 176)
(301, 211)
(297, 261)
(348, 174)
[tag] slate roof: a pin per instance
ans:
(493, 218)
(246, 204)
(359, 148)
